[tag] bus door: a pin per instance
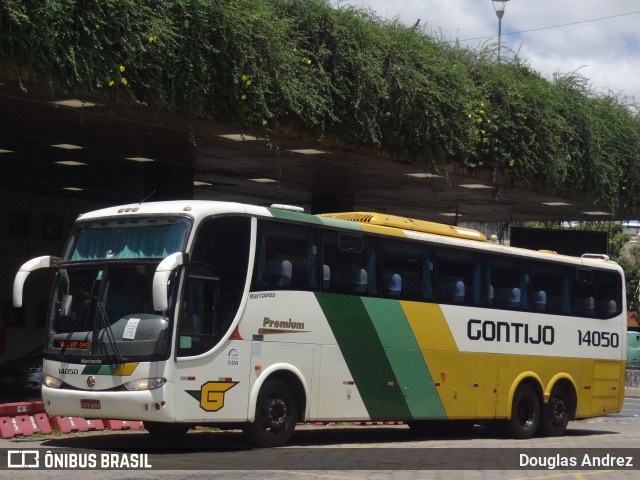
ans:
(212, 367)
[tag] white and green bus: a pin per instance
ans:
(188, 313)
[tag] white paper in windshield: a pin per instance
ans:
(130, 330)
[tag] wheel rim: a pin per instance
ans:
(275, 413)
(558, 411)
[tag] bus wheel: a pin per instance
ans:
(525, 413)
(166, 430)
(556, 413)
(276, 416)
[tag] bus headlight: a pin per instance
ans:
(145, 383)
(51, 382)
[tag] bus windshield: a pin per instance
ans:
(122, 239)
(106, 311)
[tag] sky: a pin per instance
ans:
(600, 40)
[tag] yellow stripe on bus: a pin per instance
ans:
(382, 230)
(429, 326)
(125, 369)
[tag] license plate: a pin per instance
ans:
(90, 404)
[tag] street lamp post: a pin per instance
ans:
(499, 6)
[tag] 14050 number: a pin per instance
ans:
(598, 339)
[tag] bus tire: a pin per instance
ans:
(556, 412)
(166, 430)
(525, 413)
(276, 416)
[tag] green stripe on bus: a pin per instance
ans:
(303, 217)
(405, 357)
(344, 224)
(294, 216)
(120, 369)
(99, 369)
(364, 355)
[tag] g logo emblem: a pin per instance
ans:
(212, 395)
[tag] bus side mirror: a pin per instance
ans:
(161, 279)
(34, 264)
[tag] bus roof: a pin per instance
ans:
(404, 223)
(371, 222)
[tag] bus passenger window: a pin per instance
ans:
(508, 280)
(451, 291)
(609, 293)
(349, 263)
(550, 288)
(277, 273)
(583, 294)
(286, 257)
(353, 280)
(326, 277)
(406, 270)
(509, 297)
(459, 276)
(539, 300)
(392, 285)
(584, 305)
(607, 308)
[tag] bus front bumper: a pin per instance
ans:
(146, 405)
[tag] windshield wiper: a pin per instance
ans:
(102, 313)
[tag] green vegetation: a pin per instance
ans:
(339, 75)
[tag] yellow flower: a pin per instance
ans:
(123, 81)
(248, 82)
(244, 78)
(153, 39)
(511, 162)
(243, 97)
(122, 68)
(111, 83)
(308, 61)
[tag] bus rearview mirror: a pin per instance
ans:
(161, 279)
(37, 263)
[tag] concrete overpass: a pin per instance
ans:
(58, 145)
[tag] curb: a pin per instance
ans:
(632, 392)
(27, 418)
